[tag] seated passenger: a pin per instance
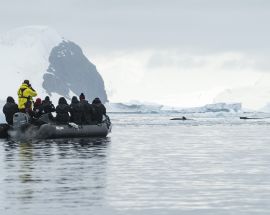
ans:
(32, 114)
(28, 109)
(99, 110)
(76, 111)
(62, 111)
(9, 109)
(38, 108)
(87, 110)
(48, 107)
(36, 113)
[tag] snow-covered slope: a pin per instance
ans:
(24, 54)
(33, 52)
(254, 97)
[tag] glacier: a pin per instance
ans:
(139, 107)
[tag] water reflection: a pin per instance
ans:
(65, 171)
(26, 159)
(82, 148)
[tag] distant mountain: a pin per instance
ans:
(54, 66)
(70, 70)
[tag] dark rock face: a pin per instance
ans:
(69, 69)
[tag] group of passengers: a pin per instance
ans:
(79, 111)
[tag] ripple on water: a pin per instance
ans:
(148, 165)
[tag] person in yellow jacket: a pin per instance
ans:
(25, 94)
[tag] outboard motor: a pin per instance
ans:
(20, 120)
(106, 119)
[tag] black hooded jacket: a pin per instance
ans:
(48, 107)
(62, 111)
(9, 109)
(76, 111)
(98, 110)
(87, 112)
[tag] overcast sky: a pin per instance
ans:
(152, 40)
(208, 25)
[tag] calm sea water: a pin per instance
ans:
(147, 165)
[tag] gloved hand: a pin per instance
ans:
(30, 86)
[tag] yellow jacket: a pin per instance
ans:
(24, 93)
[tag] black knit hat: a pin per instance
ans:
(26, 82)
(82, 96)
(96, 101)
(10, 99)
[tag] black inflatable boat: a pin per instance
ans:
(45, 129)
